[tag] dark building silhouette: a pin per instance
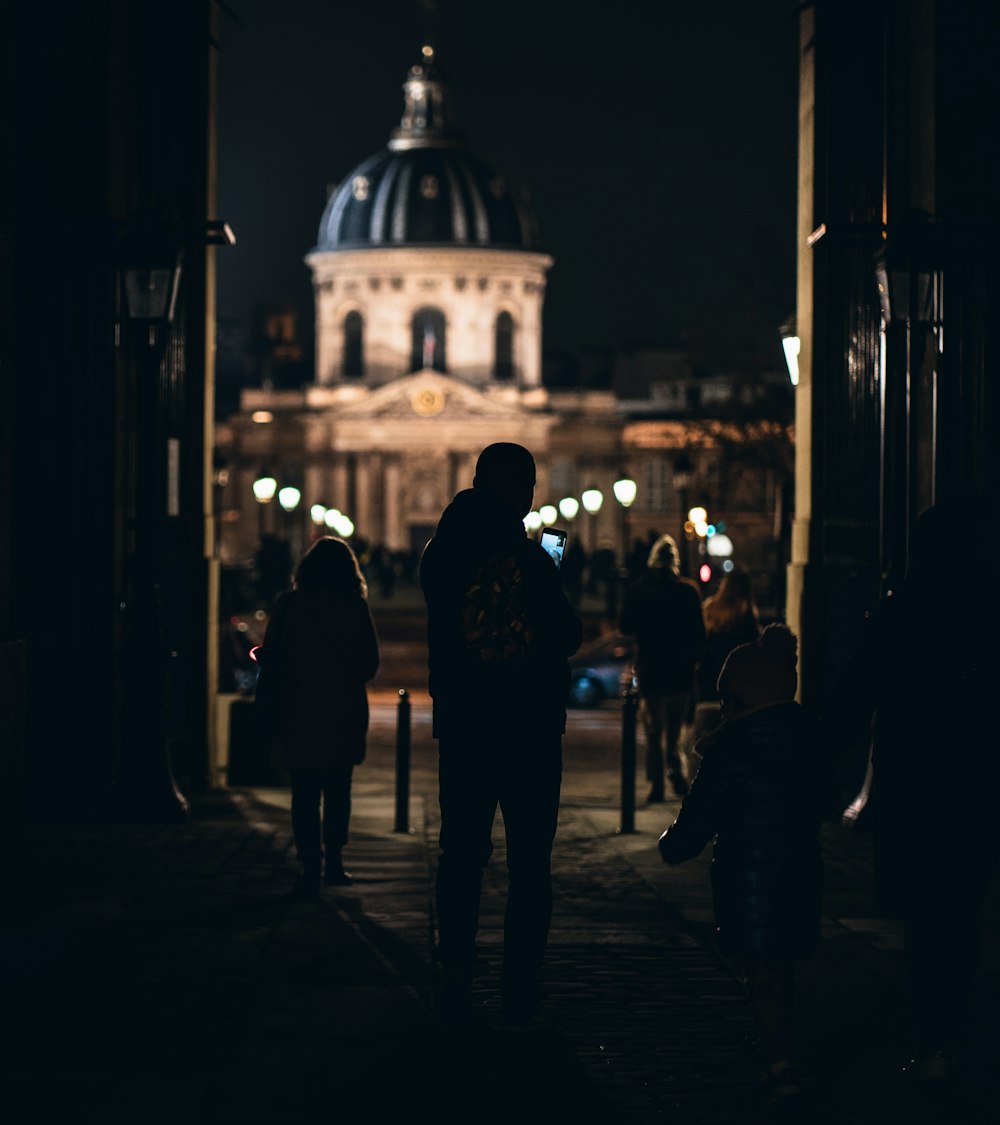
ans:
(106, 571)
(899, 178)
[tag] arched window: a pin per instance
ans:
(427, 340)
(503, 351)
(354, 352)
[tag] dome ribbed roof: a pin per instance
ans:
(424, 188)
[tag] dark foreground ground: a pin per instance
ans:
(163, 972)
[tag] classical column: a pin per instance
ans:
(391, 533)
(363, 515)
(341, 493)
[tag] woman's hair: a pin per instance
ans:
(331, 567)
(730, 604)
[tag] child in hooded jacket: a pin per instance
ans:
(763, 788)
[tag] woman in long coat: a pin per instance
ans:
(322, 649)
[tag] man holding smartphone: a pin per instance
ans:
(500, 630)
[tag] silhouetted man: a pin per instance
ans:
(500, 630)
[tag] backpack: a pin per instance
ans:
(494, 623)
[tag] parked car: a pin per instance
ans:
(601, 670)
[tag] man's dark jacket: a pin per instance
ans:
(526, 695)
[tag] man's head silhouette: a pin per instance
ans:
(508, 471)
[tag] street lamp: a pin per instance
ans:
(568, 507)
(909, 279)
(150, 283)
(548, 512)
(288, 498)
(592, 499)
(338, 523)
(624, 489)
(151, 296)
(791, 346)
(683, 476)
(264, 488)
(906, 272)
(698, 523)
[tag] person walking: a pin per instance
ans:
(764, 785)
(913, 691)
(731, 619)
(662, 610)
(320, 649)
(500, 630)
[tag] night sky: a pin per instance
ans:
(657, 142)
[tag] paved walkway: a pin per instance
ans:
(161, 973)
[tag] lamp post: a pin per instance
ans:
(568, 508)
(624, 489)
(698, 520)
(264, 488)
(148, 787)
(317, 514)
(624, 492)
(338, 523)
(683, 476)
(592, 499)
(289, 497)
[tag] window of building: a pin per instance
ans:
(503, 361)
(657, 484)
(354, 354)
(562, 478)
(428, 340)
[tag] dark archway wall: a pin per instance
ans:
(894, 94)
(101, 510)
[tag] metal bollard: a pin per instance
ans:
(630, 708)
(403, 762)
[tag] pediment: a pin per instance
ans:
(429, 394)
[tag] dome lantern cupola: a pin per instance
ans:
(427, 112)
(425, 188)
(427, 262)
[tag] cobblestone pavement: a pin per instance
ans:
(153, 973)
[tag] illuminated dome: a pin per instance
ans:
(424, 188)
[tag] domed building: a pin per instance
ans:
(427, 260)
(429, 285)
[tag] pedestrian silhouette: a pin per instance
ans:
(500, 630)
(922, 669)
(764, 785)
(274, 568)
(320, 650)
(731, 619)
(573, 562)
(662, 611)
